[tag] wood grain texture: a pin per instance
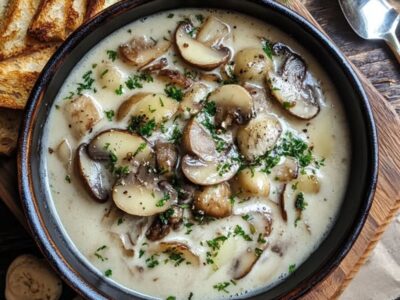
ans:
(375, 62)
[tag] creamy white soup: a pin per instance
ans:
(197, 154)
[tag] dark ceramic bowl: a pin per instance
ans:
(46, 227)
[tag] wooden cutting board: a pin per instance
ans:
(385, 205)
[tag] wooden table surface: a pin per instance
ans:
(373, 58)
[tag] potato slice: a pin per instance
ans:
(126, 146)
(140, 50)
(153, 106)
(83, 113)
(309, 184)
(208, 173)
(198, 141)
(193, 99)
(110, 77)
(214, 200)
(93, 175)
(30, 278)
(252, 182)
(259, 136)
(234, 104)
(64, 153)
(252, 64)
(213, 32)
(196, 53)
(287, 171)
(141, 198)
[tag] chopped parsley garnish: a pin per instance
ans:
(190, 296)
(141, 253)
(261, 239)
(119, 91)
(68, 178)
(292, 268)
(171, 298)
(87, 83)
(120, 221)
(142, 126)
(220, 143)
(200, 18)
(99, 255)
(109, 114)
(267, 47)
(70, 95)
(152, 262)
(300, 203)
(163, 200)
(174, 92)
(141, 147)
(136, 81)
(170, 16)
(188, 227)
(215, 245)
(121, 171)
(223, 168)
(103, 73)
(176, 136)
(286, 104)
(166, 215)
(112, 54)
(175, 256)
(258, 252)
(210, 108)
(247, 217)
(222, 287)
(108, 273)
(239, 231)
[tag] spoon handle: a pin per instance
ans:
(394, 44)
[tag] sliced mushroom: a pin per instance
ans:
(213, 32)
(155, 65)
(64, 153)
(244, 264)
(261, 101)
(178, 248)
(198, 141)
(196, 53)
(153, 106)
(287, 171)
(110, 77)
(252, 182)
(208, 173)
(124, 145)
(259, 136)
(193, 100)
(292, 85)
(214, 200)
(158, 230)
(282, 204)
(234, 104)
(167, 158)
(83, 113)
(176, 77)
(140, 51)
(31, 278)
(93, 174)
(251, 64)
(142, 198)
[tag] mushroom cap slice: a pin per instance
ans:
(142, 198)
(93, 175)
(234, 103)
(140, 51)
(213, 32)
(252, 64)
(179, 248)
(153, 106)
(214, 200)
(201, 172)
(83, 113)
(292, 85)
(30, 278)
(126, 146)
(196, 53)
(198, 141)
(287, 171)
(167, 158)
(259, 136)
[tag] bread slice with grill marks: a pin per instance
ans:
(76, 14)
(9, 127)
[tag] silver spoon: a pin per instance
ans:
(373, 19)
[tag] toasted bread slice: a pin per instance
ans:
(76, 14)
(9, 127)
(18, 75)
(13, 28)
(96, 6)
(50, 21)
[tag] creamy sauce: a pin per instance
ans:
(289, 243)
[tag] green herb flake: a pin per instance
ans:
(239, 231)
(141, 147)
(109, 114)
(267, 48)
(119, 91)
(174, 92)
(103, 73)
(292, 268)
(258, 251)
(99, 255)
(163, 200)
(222, 287)
(68, 178)
(170, 16)
(141, 253)
(112, 54)
(300, 203)
(120, 221)
(176, 136)
(152, 262)
(108, 273)
(261, 239)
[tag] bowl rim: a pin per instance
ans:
(26, 190)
